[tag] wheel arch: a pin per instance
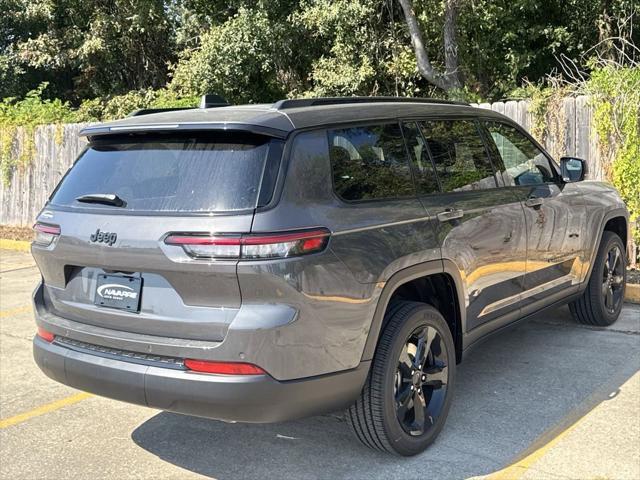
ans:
(616, 221)
(441, 269)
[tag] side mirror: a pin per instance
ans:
(572, 169)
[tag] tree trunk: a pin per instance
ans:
(450, 78)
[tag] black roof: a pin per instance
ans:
(281, 118)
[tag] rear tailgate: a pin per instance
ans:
(184, 185)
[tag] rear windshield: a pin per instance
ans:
(183, 174)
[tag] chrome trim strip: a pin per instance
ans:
(382, 225)
(505, 302)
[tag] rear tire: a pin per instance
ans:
(601, 302)
(407, 395)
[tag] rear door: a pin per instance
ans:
(480, 226)
(555, 212)
(205, 183)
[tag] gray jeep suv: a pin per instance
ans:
(262, 263)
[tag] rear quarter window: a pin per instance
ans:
(205, 173)
(370, 162)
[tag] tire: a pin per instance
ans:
(601, 302)
(398, 378)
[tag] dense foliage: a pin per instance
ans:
(616, 98)
(251, 51)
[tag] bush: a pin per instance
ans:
(615, 96)
(33, 110)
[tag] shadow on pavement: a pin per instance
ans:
(509, 391)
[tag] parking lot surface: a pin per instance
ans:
(546, 399)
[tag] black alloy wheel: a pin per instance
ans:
(421, 380)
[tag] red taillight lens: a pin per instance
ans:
(253, 246)
(223, 368)
(44, 233)
(46, 335)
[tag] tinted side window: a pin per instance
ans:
(370, 162)
(425, 179)
(524, 163)
(459, 155)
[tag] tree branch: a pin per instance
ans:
(450, 79)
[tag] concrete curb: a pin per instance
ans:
(19, 245)
(632, 293)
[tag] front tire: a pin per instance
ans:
(601, 302)
(406, 398)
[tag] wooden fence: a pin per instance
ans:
(569, 132)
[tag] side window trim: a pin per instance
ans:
(492, 151)
(412, 163)
(476, 121)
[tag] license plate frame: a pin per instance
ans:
(121, 292)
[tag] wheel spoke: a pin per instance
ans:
(405, 360)
(616, 259)
(420, 351)
(419, 407)
(436, 376)
(403, 399)
(605, 288)
(609, 298)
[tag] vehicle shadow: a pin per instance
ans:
(510, 390)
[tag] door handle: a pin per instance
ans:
(534, 202)
(450, 214)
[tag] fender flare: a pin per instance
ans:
(611, 214)
(406, 275)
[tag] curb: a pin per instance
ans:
(632, 293)
(19, 245)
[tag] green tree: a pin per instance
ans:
(85, 48)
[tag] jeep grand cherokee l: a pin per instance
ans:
(262, 263)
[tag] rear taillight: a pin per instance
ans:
(46, 335)
(251, 246)
(44, 234)
(223, 368)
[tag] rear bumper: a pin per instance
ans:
(254, 398)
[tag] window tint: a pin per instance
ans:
(181, 174)
(459, 155)
(425, 179)
(524, 163)
(370, 162)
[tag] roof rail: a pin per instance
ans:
(314, 102)
(149, 111)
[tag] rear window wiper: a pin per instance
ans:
(103, 198)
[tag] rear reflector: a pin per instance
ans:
(252, 246)
(46, 335)
(223, 368)
(44, 233)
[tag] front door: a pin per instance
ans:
(480, 227)
(554, 212)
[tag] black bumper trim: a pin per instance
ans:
(251, 398)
